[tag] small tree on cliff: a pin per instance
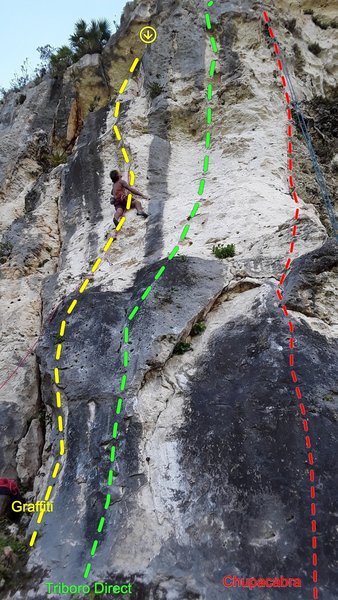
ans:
(61, 60)
(90, 39)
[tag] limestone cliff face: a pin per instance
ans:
(211, 475)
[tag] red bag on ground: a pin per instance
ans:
(9, 487)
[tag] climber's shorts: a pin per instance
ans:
(123, 205)
(120, 205)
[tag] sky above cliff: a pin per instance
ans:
(26, 25)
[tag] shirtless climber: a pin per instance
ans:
(120, 194)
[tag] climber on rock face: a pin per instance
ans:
(120, 194)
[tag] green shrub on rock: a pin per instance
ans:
(91, 38)
(221, 251)
(57, 157)
(61, 60)
(155, 90)
(198, 328)
(182, 347)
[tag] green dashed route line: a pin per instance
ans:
(149, 289)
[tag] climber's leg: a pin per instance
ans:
(137, 204)
(117, 216)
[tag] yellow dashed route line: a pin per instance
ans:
(73, 304)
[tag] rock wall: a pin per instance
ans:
(211, 475)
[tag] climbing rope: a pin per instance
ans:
(31, 350)
(21, 363)
(308, 140)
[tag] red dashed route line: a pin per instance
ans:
(291, 326)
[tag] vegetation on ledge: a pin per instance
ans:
(87, 39)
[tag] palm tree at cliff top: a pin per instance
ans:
(89, 39)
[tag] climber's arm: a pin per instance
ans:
(132, 189)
